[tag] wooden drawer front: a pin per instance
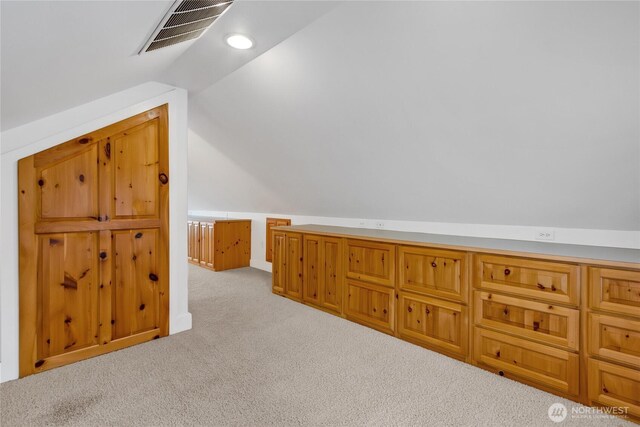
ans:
(433, 272)
(614, 385)
(617, 291)
(434, 322)
(551, 281)
(372, 305)
(372, 262)
(528, 319)
(614, 338)
(548, 366)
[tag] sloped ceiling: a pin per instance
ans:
(479, 112)
(60, 54)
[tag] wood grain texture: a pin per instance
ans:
(433, 272)
(542, 280)
(273, 222)
(433, 322)
(369, 304)
(615, 386)
(72, 248)
(371, 262)
(615, 291)
(537, 321)
(554, 368)
(615, 339)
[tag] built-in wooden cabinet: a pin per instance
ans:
(219, 244)
(569, 326)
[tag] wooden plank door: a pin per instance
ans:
(93, 223)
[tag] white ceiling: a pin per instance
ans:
(60, 54)
(520, 113)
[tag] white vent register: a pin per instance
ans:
(185, 20)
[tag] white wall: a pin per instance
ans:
(25, 140)
(501, 113)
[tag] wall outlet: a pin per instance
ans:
(379, 224)
(545, 234)
(362, 223)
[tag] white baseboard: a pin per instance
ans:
(181, 323)
(260, 264)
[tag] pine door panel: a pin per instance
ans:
(68, 288)
(136, 159)
(136, 295)
(69, 189)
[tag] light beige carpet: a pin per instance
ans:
(254, 358)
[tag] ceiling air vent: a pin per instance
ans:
(186, 20)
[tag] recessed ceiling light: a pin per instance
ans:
(238, 41)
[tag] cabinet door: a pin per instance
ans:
(371, 262)
(279, 268)
(434, 272)
(535, 320)
(273, 222)
(293, 281)
(331, 273)
(616, 291)
(206, 244)
(371, 305)
(194, 241)
(434, 322)
(313, 269)
(614, 386)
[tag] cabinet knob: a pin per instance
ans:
(163, 178)
(434, 265)
(507, 272)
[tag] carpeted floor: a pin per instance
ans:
(253, 358)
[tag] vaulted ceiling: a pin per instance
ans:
(60, 54)
(482, 112)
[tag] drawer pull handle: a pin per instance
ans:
(507, 272)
